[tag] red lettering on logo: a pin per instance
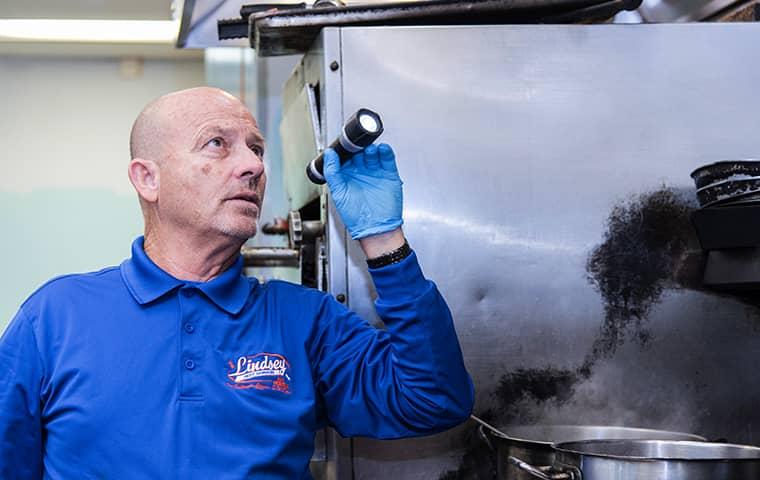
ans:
(262, 371)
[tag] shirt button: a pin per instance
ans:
(189, 364)
(188, 293)
(189, 328)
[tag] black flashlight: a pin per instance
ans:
(361, 129)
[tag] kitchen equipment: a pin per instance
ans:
(534, 443)
(295, 30)
(519, 146)
(728, 191)
(647, 460)
(725, 170)
(727, 182)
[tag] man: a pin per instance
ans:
(175, 365)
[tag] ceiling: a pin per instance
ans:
(90, 9)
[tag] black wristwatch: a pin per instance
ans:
(391, 257)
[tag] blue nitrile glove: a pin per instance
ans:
(366, 190)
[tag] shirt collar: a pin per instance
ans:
(146, 281)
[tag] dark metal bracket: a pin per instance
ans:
(731, 237)
(293, 31)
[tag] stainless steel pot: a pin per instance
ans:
(534, 443)
(647, 460)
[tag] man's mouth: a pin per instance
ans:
(248, 197)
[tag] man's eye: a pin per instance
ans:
(216, 142)
(257, 150)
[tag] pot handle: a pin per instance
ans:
(546, 472)
(484, 437)
(482, 432)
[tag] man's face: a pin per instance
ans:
(212, 176)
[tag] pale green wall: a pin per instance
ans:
(66, 204)
(56, 231)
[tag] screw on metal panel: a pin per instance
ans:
(340, 297)
(334, 66)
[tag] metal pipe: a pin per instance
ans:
(312, 229)
(270, 256)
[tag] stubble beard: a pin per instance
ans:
(235, 228)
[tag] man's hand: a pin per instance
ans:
(366, 191)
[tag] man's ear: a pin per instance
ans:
(144, 175)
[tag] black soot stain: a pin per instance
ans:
(535, 385)
(649, 246)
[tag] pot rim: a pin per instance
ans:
(504, 433)
(564, 447)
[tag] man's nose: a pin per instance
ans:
(251, 164)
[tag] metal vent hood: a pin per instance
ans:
(199, 29)
(283, 32)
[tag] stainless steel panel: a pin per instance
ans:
(530, 154)
(317, 67)
(299, 131)
(313, 71)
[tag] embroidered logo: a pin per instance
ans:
(262, 371)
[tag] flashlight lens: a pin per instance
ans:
(368, 122)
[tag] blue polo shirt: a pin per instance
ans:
(130, 373)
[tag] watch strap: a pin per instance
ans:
(394, 256)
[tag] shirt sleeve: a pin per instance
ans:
(20, 417)
(407, 380)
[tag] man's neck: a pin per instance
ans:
(188, 257)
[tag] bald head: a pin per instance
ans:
(165, 115)
(197, 166)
